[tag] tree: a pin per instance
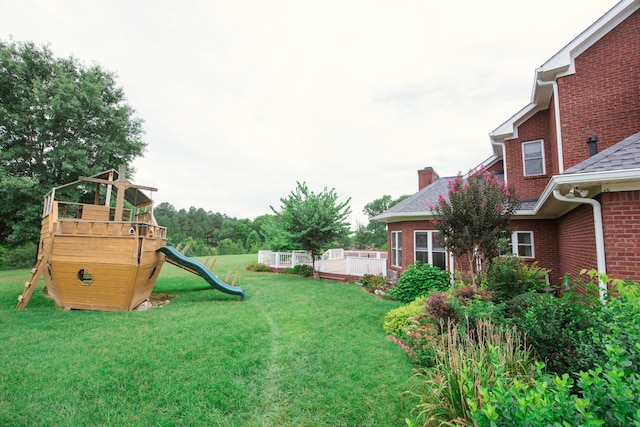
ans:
(475, 217)
(311, 220)
(374, 234)
(58, 119)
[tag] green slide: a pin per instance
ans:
(176, 257)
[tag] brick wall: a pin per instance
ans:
(621, 224)
(545, 241)
(577, 241)
(407, 228)
(603, 97)
(537, 127)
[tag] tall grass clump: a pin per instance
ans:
(468, 361)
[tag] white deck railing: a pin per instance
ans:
(337, 261)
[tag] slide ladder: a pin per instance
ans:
(36, 272)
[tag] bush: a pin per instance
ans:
(508, 277)
(418, 280)
(396, 320)
(22, 256)
(605, 396)
(304, 270)
(373, 283)
(258, 267)
(552, 326)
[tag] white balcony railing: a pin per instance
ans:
(337, 261)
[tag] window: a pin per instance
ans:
(522, 243)
(396, 248)
(428, 250)
(533, 158)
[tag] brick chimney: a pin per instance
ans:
(426, 177)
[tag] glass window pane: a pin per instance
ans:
(525, 251)
(439, 260)
(434, 242)
(532, 150)
(533, 167)
(421, 240)
(423, 257)
(524, 238)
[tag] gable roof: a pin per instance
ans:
(623, 155)
(561, 64)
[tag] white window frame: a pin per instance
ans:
(396, 248)
(541, 158)
(429, 250)
(515, 246)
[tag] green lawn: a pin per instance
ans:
(297, 352)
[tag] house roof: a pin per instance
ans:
(623, 155)
(417, 205)
(561, 64)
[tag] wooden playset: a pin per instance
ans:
(96, 256)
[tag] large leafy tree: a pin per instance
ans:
(374, 234)
(475, 217)
(313, 221)
(58, 119)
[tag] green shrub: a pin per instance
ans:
(605, 396)
(418, 280)
(22, 256)
(258, 267)
(552, 326)
(304, 270)
(508, 277)
(372, 282)
(396, 320)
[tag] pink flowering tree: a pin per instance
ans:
(475, 217)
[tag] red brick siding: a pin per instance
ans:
(407, 228)
(577, 241)
(537, 127)
(545, 241)
(621, 224)
(602, 98)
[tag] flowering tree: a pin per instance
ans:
(475, 217)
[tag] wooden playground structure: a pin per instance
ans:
(95, 256)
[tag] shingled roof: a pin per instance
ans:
(418, 204)
(624, 155)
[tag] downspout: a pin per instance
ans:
(504, 158)
(597, 224)
(556, 103)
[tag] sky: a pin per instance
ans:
(243, 99)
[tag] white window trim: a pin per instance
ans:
(514, 244)
(398, 242)
(429, 247)
(524, 161)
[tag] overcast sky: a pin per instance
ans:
(241, 99)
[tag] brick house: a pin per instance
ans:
(573, 155)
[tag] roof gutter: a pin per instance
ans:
(556, 104)
(597, 224)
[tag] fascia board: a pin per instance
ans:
(403, 216)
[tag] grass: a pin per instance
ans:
(297, 352)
